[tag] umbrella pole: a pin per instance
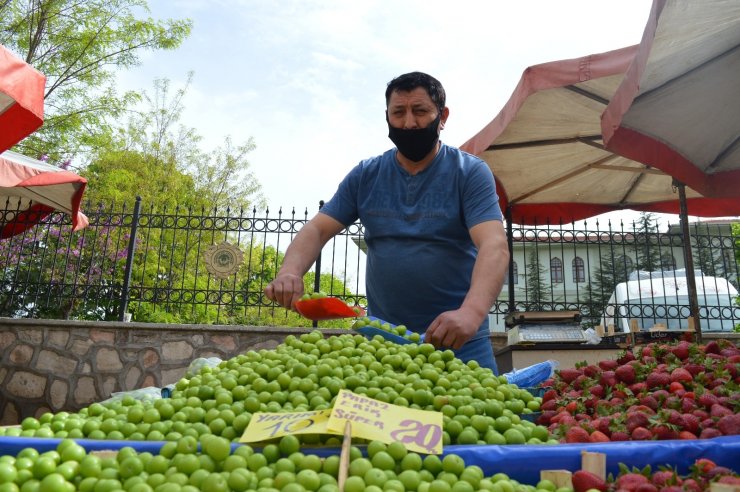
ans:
(510, 244)
(688, 258)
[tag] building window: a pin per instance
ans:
(516, 274)
(579, 270)
(556, 270)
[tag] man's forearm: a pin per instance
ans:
(488, 273)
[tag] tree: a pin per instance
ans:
(537, 293)
(647, 249)
(155, 157)
(80, 46)
(612, 270)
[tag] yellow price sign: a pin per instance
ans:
(265, 426)
(419, 430)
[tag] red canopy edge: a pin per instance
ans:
(548, 213)
(24, 85)
(26, 219)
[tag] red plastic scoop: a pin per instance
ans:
(327, 308)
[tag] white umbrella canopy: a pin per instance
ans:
(546, 150)
(678, 107)
(31, 189)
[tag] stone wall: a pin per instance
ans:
(51, 365)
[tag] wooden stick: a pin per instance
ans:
(610, 330)
(594, 463)
(344, 455)
(600, 330)
(561, 478)
(634, 328)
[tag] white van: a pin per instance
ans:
(662, 298)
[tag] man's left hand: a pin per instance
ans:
(452, 329)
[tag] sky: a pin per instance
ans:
(306, 79)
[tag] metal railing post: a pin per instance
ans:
(129, 259)
(317, 274)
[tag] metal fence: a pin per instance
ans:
(211, 266)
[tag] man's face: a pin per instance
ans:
(412, 109)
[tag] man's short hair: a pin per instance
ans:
(410, 81)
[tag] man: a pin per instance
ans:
(437, 251)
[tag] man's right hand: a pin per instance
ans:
(286, 289)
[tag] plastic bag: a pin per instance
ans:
(142, 394)
(197, 364)
(591, 337)
(533, 375)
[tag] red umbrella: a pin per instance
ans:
(21, 99)
(678, 107)
(546, 151)
(31, 189)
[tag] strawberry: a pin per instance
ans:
(591, 370)
(690, 423)
(630, 481)
(550, 394)
(707, 400)
(691, 485)
(686, 435)
(581, 382)
(687, 404)
(635, 420)
(597, 390)
(664, 477)
(712, 348)
(729, 425)
(637, 388)
(641, 434)
(569, 375)
(657, 380)
(694, 369)
(704, 465)
(718, 471)
(625, 374)
(626, 357)
(718, 411)
(675, 418)
(650, 402)
(598, 436)
(709, 433)
(664, 433)
(584, 480)
(646, 487)
(577, 434)
(608, 379)
(608, 365)
(619, 436)
(549, 405)
(681, 350)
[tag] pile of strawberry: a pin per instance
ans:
(676, 390)
(701, 475)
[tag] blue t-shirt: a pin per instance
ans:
(420, 256)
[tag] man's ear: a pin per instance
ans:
(443, 119)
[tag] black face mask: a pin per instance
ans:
(415, 143)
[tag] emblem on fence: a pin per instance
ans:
(223, 259)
